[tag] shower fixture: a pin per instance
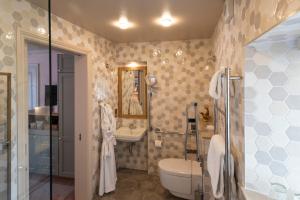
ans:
(151, 81)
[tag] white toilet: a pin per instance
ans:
(181, 177)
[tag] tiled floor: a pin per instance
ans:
(137, 185)
(63, 188)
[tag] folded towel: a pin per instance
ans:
(215, 86)
(215, 166)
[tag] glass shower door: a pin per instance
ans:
(5, 141)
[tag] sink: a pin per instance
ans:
(125, 134)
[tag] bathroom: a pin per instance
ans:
(173, 50)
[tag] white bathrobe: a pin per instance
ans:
(108, 174)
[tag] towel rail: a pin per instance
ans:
(227, 169)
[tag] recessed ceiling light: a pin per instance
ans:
(123, 23)
(166, 20)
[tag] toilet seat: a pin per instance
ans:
(176, 167)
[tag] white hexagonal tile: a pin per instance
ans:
(293, 132)
(250, 66)
(293, 117)
(293, 102)
(278, 168)
(263, 86)
(250, 107)
(278, 124)
(250, 161)
(250, 133)
(278, 94)
(292, 148)
(278, 65)
(263, 172)
(261, 59)
(250, 120)
(250, 79)
(293, 70)
(293, 163)
(250, 147)
(294, 56)
(293, 180)
(263, 157)
(278, 153)
(292, 86)
(262, 72)
(279, 48)
(250, 93)
(279, 139)
(278, 108)
(263, 114)
(263, 101)
(251, 176)
(278, 79)
(263, 143)
(262, 129)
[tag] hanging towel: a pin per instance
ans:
(215, 86)
(108, 173)
(215, 166)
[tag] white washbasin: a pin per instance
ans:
(126, 134)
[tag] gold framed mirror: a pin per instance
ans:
(132, 92)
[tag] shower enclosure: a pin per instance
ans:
(22, 22)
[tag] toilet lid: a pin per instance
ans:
(175, 166)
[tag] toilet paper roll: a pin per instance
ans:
(158, 143)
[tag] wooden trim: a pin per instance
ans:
(120, 114)
(83, 185)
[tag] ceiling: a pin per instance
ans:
(196, 18)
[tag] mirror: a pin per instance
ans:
(132, 92)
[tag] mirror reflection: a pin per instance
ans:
(132, 92)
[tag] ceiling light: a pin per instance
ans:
(166, 20)
(42, 30)
(123, 23)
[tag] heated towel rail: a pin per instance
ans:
(226, 79)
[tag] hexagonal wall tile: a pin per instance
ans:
(278, 94)
(263, 143)
(292, 86)
(278, 124)
(262, 128)
(250, 79)
(293, 102)
(263, 172)
(279, 64)
(293, 70)
(293, 133)
(279, 48)
(279, 139)
(263, 157)
(278, 108)
(278, 153)
(263, 86)
(250, 93)
(278, 168)
(293, 117)
(262, 72)
(250, 107)
(294, 56)
(250, 66)
(249, 120)
(293, 148)
(261, 59)
(278, 78)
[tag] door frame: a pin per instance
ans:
(83, 108)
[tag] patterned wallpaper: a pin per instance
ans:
(182, 79)
(251, 19)
(272, 124)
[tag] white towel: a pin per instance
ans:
(215, 86)
(215, 166)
